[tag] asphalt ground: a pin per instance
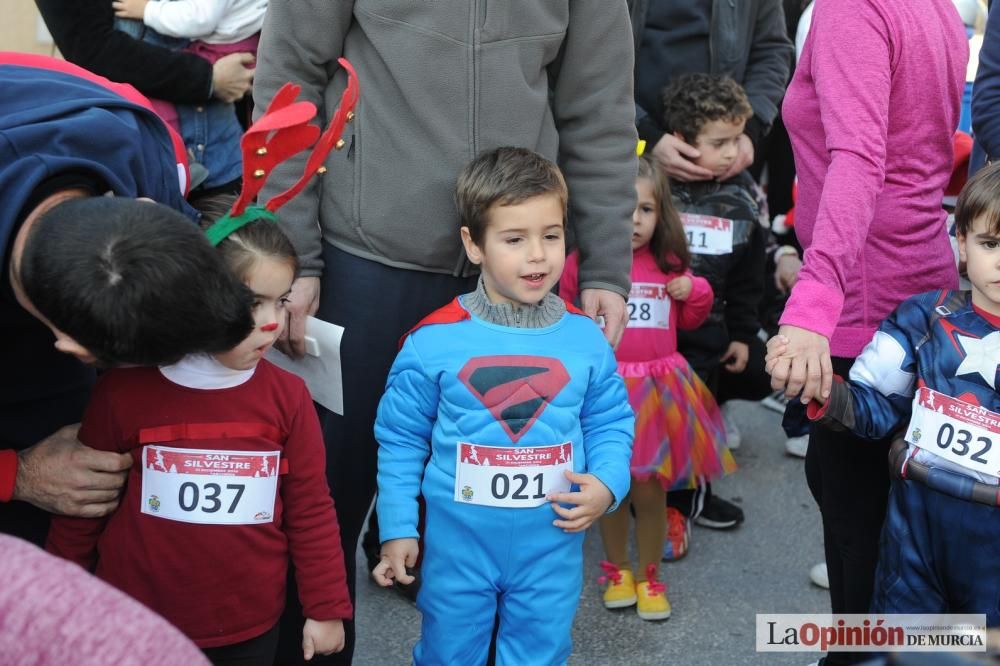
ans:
(716, 591)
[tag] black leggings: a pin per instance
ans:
(849, 479)
(257, 651)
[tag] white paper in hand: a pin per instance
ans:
(320, 367)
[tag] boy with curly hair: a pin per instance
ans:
(722, 221)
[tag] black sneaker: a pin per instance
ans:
(719, 514)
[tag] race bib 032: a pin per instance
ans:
(965, 434)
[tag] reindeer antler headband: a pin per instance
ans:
(284, 131)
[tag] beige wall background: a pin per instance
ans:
(21, 29)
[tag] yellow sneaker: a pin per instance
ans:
(652, 597)
(620, 591)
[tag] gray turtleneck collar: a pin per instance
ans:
(548, 311)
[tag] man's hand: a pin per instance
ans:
(680, 288)
(324, 637)
(131, 9)
(736, 357)
(786, 272)
(592, 501)
(743, 159)
(397, 554)
(62, 476)
(611, 306)
(302, 303)
(675, 157)
(798, 361)
(232, 76)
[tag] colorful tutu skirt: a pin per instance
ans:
(679, 435)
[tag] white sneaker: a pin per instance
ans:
(797, 446)
(733, 436)
(819, 576)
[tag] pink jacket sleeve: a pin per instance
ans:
(693, 312)
(569, 283)
(851, 67)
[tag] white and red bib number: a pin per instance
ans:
(209, 487)
(648, 306)
(964, 434)
(513, 477)
(707, 234)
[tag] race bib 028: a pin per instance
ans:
(648, 306)
(209, 487)
(512, 477)
(965, 434)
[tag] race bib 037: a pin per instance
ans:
(209, 487)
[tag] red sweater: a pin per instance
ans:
(219, 584)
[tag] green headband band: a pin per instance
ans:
(227, 224)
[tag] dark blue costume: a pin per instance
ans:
(467, 396)
(62, 127)
(932, 368)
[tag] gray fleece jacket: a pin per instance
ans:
(441, 81)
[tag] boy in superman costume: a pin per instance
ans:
(504, 410)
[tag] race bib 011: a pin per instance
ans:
(512, 477)
(957, 431)
(707, 234)
(209, 487)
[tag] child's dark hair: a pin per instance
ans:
(692, 100)
(133, 282)
(980, 198)
(668, 244)
(253, 241)
(504, 177)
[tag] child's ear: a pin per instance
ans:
(678, 135)
(962, 254)
(472, 250)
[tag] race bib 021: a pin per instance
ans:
(964, 434)
(707, 234)
(209, 487)
(512, 477)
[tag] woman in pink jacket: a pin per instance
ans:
(871, 112)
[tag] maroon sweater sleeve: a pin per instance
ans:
(75, 539)
(310, 521)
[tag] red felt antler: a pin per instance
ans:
(328, 141)
(284, 131)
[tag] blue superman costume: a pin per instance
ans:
(550, 394)
(932, 368)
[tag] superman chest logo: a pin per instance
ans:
(515, 389)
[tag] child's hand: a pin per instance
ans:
(679, 288)
(397, 554)
(736, 357)
(324, 637)
(133, 9)
(592, 501)
(776, 348)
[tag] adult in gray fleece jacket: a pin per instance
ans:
(378, 236)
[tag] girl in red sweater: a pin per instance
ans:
(228, 481)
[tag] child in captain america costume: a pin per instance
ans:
(932, 368)
(504, 410)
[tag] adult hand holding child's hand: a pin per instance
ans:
(592, 502)
(397, 554)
